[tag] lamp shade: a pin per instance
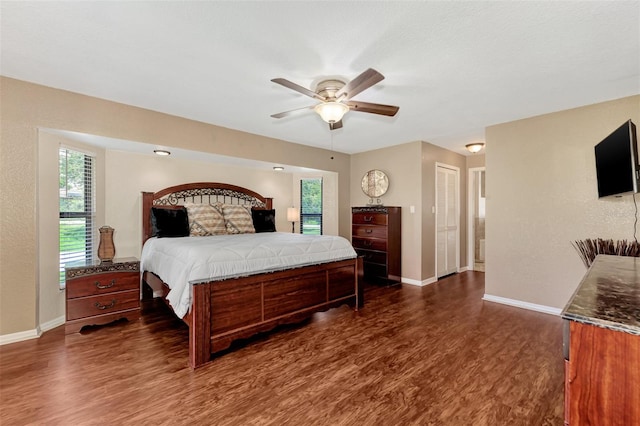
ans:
(292, 214)
(475, 147)
(331, 112)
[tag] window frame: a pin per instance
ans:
(88, 213)
(304, 215)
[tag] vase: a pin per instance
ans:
(106, 249)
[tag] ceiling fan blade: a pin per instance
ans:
(290, 85)
(291, 112)
(381, 109)
(362, 82)
(336, 125)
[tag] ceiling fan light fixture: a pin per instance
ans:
(331, 112)
(474, 147)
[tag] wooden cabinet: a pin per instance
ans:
(375, 234)
(602, 345)
(602, 377)
(99, 293)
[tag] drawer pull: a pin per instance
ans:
(368, 231)
(368, 219)
(366, 243)
(102, 287)
(103, 307)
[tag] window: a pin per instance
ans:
(76, 175)
(311, 206)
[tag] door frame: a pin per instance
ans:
(471, 204)
(457, 170)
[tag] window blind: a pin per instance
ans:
(77, 208)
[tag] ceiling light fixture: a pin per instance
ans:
(278, 168)
(161, 152)
(332, 111)
(475, 147)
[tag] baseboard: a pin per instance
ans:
(419, 283)
(520, 304)
(5, 339)
(31, 334)
(463, 269)
(56, 322)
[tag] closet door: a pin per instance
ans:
(447, 220)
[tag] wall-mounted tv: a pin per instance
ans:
(617, 162)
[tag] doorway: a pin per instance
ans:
(447, 219)
(476, 220)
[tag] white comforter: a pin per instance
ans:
(180, 262)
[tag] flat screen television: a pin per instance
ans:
(617, 167)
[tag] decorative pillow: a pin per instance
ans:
(205, 219)
(264, 220)
(169, 222)
(237, 219)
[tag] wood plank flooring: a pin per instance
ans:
(436, 355)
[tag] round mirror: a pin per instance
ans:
(375, 183)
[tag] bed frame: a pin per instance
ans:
(224, 311)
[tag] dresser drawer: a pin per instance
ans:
(97, 284)
(375, 270)
(369, 231)
(373, 256)
(369, 219)
(98, 305)
(369, 243)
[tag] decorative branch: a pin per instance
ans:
(588, 249)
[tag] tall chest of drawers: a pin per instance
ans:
(99, 293)
(375, 234)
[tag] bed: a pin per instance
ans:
(236, 305)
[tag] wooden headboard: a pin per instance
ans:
(201, 193)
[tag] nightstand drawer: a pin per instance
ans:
(369, 243)
(369, 219)
(98, 305)
(97, 284)
(369, 231)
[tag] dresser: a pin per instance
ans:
(101, 292)
(375, 235)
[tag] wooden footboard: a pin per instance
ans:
(224, 311)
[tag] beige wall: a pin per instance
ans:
(127, 174)
(26, 107)
(542, 195)
(51, 300)
(431, 155)
(411, 171)
(475, 160)
(402, 166)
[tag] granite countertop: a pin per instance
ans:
(609, 295)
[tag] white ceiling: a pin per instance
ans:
(452, 67)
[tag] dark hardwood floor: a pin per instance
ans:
(436, 355)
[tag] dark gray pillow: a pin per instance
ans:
(170, 222)
(264, 220)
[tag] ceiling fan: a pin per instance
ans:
(335, 98)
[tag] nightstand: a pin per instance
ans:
(102, 292)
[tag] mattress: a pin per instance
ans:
(183, 262)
